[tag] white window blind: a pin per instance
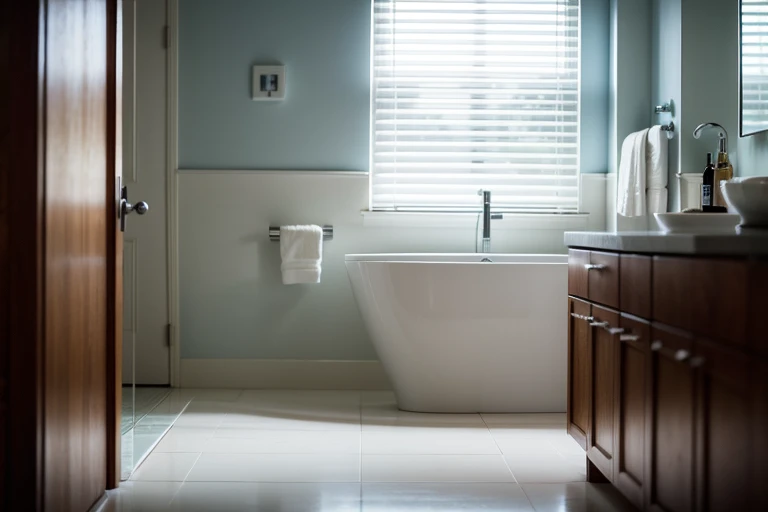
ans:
(754, 66)
(475, 94)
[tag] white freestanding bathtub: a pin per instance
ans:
(459, 335)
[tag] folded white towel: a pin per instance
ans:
(630, 198)
(657, 159)
(301, 248)
(656, 200)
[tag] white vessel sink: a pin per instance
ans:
(749, 198)
(697, 223)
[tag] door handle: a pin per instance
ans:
(126, 208)
(141, 207)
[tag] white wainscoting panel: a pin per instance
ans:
(233, 305)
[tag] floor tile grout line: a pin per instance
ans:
(200, 454)
(501, 452)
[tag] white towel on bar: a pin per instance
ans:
(630, 198)
(656, 200)
(657, 159)
(301, 248)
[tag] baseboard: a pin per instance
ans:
(282, 374)
(100, 504)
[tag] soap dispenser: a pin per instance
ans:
(723, 169)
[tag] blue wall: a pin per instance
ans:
(595, 37)
(324, 121)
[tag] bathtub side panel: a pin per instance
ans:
(469, 338)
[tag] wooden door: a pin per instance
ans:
(670, 422)
(723, 433)
(58, 171)
(579, 375)
(632, 363)
(79, 215)
(600, 440)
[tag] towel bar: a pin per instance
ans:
(274, 233)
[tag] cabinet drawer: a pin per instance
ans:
(704, 296)
(603, 279)
(635, 284)
(577, 272)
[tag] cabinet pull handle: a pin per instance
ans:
(598, 324)
(582, 317)
(697, 361)
(656, 346)
(594, 266)
(629, 337)
(682, 355)
(613, 331)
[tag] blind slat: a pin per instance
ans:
(471, 94)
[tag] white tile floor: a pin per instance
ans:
(301, 451)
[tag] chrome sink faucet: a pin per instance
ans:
(487, 217)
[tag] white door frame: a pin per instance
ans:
(172, 188)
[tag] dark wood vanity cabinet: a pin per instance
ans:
(668, 378)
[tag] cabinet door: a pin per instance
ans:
(758, 305)
(600, 440)
(579, 378)
(632, 363)
(759, 439)
(671, 396)
(723, 447)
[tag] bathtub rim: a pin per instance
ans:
(459, 258)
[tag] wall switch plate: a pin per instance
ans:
(268, 83)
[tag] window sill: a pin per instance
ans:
(511, 221)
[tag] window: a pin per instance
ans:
(475, 94)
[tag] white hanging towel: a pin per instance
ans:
(656, 200)
(657, 159)
(301, 248)
(630, 198)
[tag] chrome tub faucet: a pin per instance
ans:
(487, 217)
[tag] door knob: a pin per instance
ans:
(141, 207)
(125, 207)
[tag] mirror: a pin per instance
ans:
(753, 58)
